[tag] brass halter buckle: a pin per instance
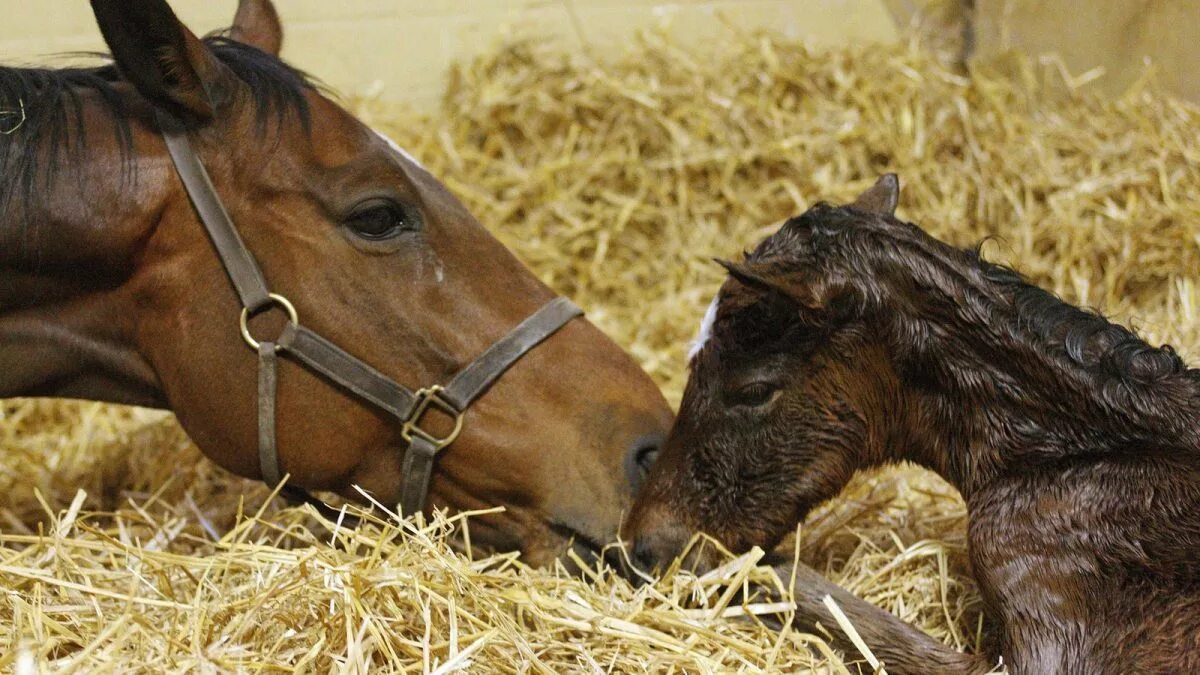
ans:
(276, 300)
(431, 397)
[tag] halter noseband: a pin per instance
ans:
(321, 355)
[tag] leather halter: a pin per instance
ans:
(406, 406)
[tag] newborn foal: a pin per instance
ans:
(850, 339)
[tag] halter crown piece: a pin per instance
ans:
(407, 407)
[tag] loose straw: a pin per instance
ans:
(851, 632)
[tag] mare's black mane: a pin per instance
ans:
(41, 114)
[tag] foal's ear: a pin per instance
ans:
(808, 289)
(167, 63)
(882, 197)
(257, 24)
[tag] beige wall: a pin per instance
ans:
(1120, 36)
(1109, 44)
(402, 48)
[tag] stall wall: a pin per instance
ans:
(401, 49)
(1121, 37)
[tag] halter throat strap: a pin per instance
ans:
(315, 352)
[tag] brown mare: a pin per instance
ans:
(851, 339)
(111, 290)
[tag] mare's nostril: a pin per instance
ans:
(647, 456)
(640, 458)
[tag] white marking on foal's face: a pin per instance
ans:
(396, 146)
(706, 327)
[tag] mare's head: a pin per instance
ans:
(790, 388)
(376, 255)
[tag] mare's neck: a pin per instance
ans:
(68, 248)
(1031, 380)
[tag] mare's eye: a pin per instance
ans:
(755, 394)
(380, 220)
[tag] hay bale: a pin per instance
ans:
(616, 182)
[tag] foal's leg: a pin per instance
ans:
(900, 647)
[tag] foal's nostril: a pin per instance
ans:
(640, 458)
(655, 551)
(644, 557)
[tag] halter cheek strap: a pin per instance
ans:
(407, 407)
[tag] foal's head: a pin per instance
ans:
(374, 252)
(789, 390)
(849, 339)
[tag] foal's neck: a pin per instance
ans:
(68, 246)
(1031, 380)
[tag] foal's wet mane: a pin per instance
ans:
(880, 255)
(53, 131)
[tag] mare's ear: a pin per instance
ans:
(881, 198)
(164, 60)
(257, 24)
(808, 288)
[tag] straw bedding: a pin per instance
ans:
(616, 179)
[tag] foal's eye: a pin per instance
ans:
(380, 220)
(755, 394)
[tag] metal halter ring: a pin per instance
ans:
(275, 299)
(427, 398)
